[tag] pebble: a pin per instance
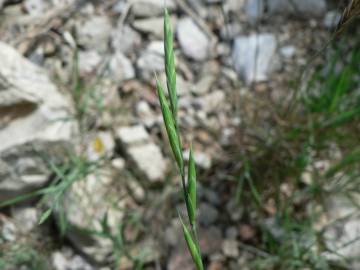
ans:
(303, 8)
(124, 39)
(193, 42)
(68, 261)
(146, 114)
(332, 19)
(36, 7)
(152, 26)
(118, 163)
(180, 259)
(202, 159)
(211, 102)
(253, 56)
(137, 191)
(94, 33)
(150, 62)
(26, 217)
(207, 214)
(230, 248)
(131, 135)
(8, 230)
(231, 233)
(210, 241)
(149, 159)
(287, 51)
(254, 10)
(120, 68)
(151, 8)
(247, 232)
(88, 62)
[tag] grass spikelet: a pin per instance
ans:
(170, 127)
(191, 189)
(170, 119)
(194, 251)
(170, 69)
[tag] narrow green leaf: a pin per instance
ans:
(170, 127)
(45, 216)
(170, 69)
(194, 251)
(192, 188)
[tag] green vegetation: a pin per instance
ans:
(321, 126)
(19, 255)
(171, 123)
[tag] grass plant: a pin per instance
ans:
(169, 111)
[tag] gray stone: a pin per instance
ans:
(207, 214)
(332, 19)
(26, 217)
(152, 26)
(124, 39)
(150, 8)
(36, 7)
(210, 240)
(32, 130)
(303, 8)
(234, 210)
(120, 68)
(254, 10)
(211, 102)
(150, 161)
(62, 3)
(287, 51)
(94, 33)
(234, 6)
(119, 7)
(211, 2)
(66, 260)
(253, 56)
(204, 85)
(146, 155)
(88, 62)
(230, 248)
(194, 43)
(147, 116)
(132, 135)
(151, 60)
(86, 204)
(202, 159)
(157, 47)
(180, 259)
(8, 230)
(342, 231)
(118, 163)
(136, 190)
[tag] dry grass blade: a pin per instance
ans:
(351, 12)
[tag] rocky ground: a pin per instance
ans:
(82, 138)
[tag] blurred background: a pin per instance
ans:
(269, 98)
